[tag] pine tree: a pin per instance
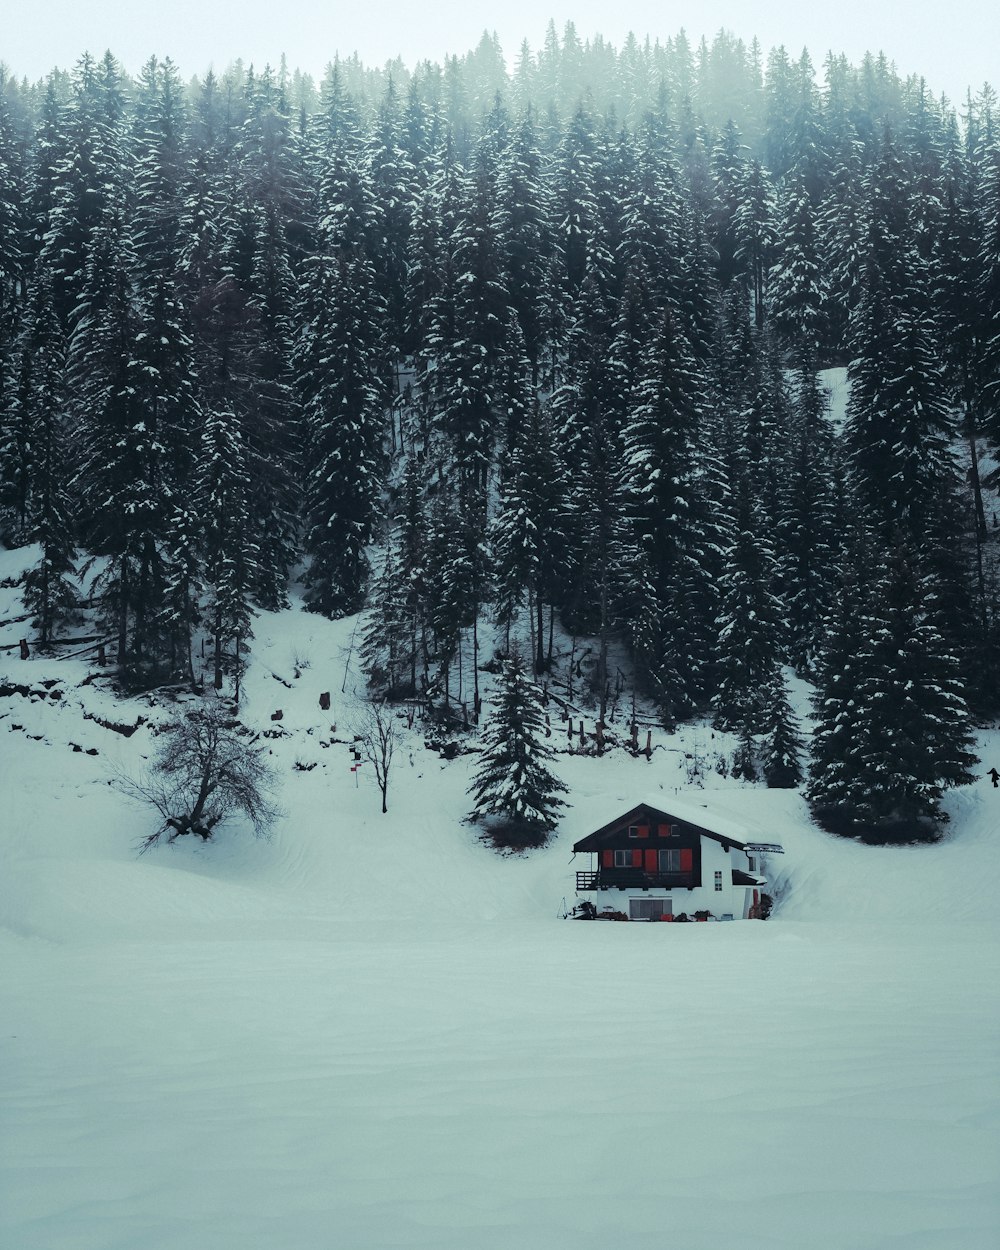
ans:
(748, 624)
(755, 233)
(393, 187)
(12, 232)
(909, 735)
(798, 285)
(395, 647)
(230, 550)
(182, 585)
(385, 637)
(781, 753)
(513, 781)
(122, 479)
(524, 234)
(337, 368)
(455, 582)
(86, 178)
(50, 589)
(901, 428)
(728, 166)
(527, 533)
(469, 362)
(673, 618)
(807, 532)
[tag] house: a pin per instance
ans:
(655, 865)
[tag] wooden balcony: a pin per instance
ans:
(635, 878)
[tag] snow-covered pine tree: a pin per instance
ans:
(455, 581)
(514, 782)
(781, 749)
(524, 233)
(265, 230)
(86, 177)
(664, 480)
(470, 420)
(728, 172)
(337, 366)
(392, 180)
(797, 283)
(754, 228)
(12, 236)
(988, 294)
(807, 533)
(387, 652)
(123, 480)
(901, 428)
(748, 623)
(50, 589)
(527, 534)
(230, 550)
(182, 578)
(893, 728)
(837, 677)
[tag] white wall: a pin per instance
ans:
(732, 900)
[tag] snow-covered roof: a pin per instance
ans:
(747, 878)
(698, 815)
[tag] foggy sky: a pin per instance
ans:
(954, 45)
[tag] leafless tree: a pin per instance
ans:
(207, 768)
(376, 736)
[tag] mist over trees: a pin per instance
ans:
(543, 346)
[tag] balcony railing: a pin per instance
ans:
(624, 878)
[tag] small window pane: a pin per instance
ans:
(670, 861)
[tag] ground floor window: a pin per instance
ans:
(649, 908)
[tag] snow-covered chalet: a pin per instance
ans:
(656, 865)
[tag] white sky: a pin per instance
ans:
(954, 44)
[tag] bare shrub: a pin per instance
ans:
(207, 769)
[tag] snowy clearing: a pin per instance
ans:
(373, 1032)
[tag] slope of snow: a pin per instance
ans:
(370, 1031)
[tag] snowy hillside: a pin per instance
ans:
(372, 1031)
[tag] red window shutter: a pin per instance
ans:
(607, 859)
(687, 860)
(651, 861)
(663, 831)
(637, 859)
(643, 831)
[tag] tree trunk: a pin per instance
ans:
(476, 702)
(540, 635)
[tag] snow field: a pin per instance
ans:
(372, 1032)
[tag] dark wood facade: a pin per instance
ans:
(644, 849)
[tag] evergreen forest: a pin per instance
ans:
(538, 353)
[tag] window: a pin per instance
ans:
(633, 831)
(753, 863)
(670, 861)
(649, 908)
(623, 859)
(718, 881)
